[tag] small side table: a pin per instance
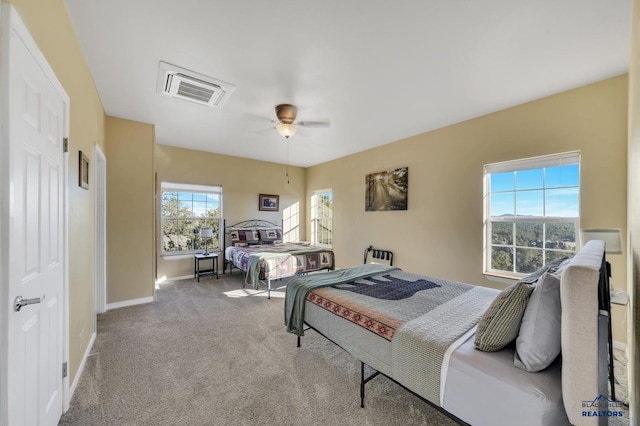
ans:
(197, 258)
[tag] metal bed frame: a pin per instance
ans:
(378, 254)
(251, 223)
(364, 380)
(255, 224)
(388, 256)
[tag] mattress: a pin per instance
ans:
(485, 388)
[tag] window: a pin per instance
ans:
(291, 223)
(532, 212)
(322, 217)
(185, 209)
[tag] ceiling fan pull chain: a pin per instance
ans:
(287, 172)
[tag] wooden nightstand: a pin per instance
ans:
(197, 258)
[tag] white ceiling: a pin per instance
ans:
(378, 70)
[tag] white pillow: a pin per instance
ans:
(538, 341)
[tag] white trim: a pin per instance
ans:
(541, 162)
(502, 279)
(619, 345)
(179, 256)
(323, 191)
(190, 187)
(66, 392)
(314, 220)
(76, 379)
(131, 302)
(100, 213)
(5, 194)
(534, 163)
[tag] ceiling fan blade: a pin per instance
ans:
(266, 130)
(257, 118)
(314, 123)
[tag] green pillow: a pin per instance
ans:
(500, 323)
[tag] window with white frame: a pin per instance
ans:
(322, 217)
(185, 209)
(532, 212)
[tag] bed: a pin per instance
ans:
(256, 248)
(425, 333)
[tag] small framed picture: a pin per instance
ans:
(270, 203)
(83, 171)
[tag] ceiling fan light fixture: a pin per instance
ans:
(286, 130)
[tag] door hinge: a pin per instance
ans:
(65, 144)
(65, 369)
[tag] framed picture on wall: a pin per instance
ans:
(387, 190)
(269, 203)
(83, 171)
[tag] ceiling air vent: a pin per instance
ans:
(190, 86)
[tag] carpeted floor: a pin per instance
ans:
(212, 353)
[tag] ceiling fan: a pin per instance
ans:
(288, 125)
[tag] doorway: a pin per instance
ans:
(100, 180)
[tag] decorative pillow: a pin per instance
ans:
(246, 236)
(500, 323)
(538, 342)
(270, 236)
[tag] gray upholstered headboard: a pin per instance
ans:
(584, 335)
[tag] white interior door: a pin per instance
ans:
(36, 121)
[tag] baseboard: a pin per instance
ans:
(130, 302)
(619, 345)
(76, 379)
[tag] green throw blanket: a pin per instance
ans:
(299, 287)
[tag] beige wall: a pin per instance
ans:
(130, 229)
(441, 233)
(634, 216)
(241, 179)
(49, 24)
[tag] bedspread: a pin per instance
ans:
(299, 287)
(421, 316)
(427, 338)
(273, 261)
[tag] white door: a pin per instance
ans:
(36, 258)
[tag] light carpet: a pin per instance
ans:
(213, 353)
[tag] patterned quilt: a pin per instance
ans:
(421, 316)
(272, 261)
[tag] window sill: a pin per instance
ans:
(502, 279)
(188, 255)
(177, 256)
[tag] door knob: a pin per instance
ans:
(21, 301)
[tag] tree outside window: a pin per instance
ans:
(532, 213)
(184, 211)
